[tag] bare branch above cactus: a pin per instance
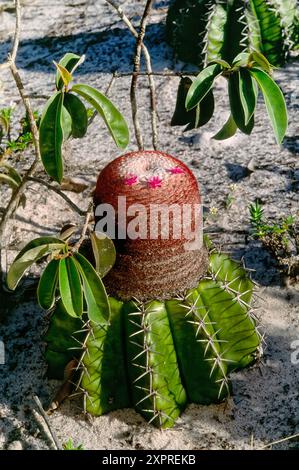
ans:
(149, 71)
(17, 194)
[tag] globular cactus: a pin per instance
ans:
(181, 318)
(204, 30)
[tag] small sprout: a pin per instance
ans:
(65, 74)
(229, 201)
(21, 143)
(230, 197)
(256, 214)
(5, 119)
(70, 446)
(90, 112)
(279, 238)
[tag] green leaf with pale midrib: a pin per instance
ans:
(78, 113)
(274, 101)
(228, 130)
(68, 61)
(70, 287)
(32, 252)
(248, 94)
(113, 119)
(8, 180)
(51, 137)
(202, 85)
(236, 104)
(47, 285)
(104, 252)
(98, 308)
(12, 172)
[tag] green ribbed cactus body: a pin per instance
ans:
(61, 343)
(157, 356)
(201, 31)
(104, 376)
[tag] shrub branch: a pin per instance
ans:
(149, 72)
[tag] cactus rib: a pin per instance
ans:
(203, 31)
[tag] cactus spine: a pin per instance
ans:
(181, 322)
(201, 31)
(157, 356)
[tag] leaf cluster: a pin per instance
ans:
(261, 228)
(248, 74)
(69, 445)
(65, 115)
(24, 138)
(68, 274)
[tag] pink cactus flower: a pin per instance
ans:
(177, 170)
(130, 180)
(154, 182)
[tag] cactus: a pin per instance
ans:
(201, 31)
(180, 321)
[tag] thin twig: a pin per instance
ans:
(157, 74)
(136, 70)
(280, 440)
(16, 39)
(28, 108)
(15, 198)
(5, 65)
(85, 227)
(59, 192)
(149, 71)
(46, 420)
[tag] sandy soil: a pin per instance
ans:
(264, 406)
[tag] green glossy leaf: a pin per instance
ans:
(261, 60)
(47, 285)
(78, 114)
(199, 115)
(31, 253)
(104, 252)
(68, 62)
(248, 94)
(275, 103)
(51, 137)
(66, 122)
(8, 180)
(12, 172)
(241, 59)
(220, 62)
(113, 119)
(64, 73)
(181, 116)
(228, 130)
(98, 308)
(236, 104)
(67, 231)
(70, 287)
(202, 85)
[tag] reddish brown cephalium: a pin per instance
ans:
(165, 264)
